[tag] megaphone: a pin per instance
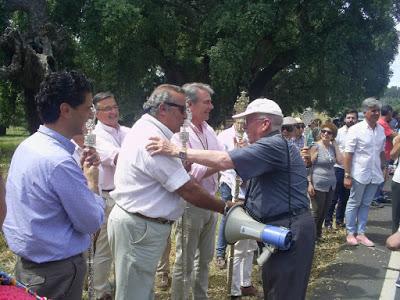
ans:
(240, 226)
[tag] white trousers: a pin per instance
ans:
(242, 265)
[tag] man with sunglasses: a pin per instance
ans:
(148, 194)
(298, 138)
(276, 195)
(287, 129)
(109, 137)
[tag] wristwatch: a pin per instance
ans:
(182, 154)
(347, 175)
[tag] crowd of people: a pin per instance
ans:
(121, 198)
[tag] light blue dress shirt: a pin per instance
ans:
(50, 209)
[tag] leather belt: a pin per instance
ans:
(286, 215)
(157, 220)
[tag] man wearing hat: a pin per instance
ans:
(287, 129)
(298, 133)
(276, 193)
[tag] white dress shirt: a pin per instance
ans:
(366, 144)
(227, 139)
(108, 144)
(341, 142)
(146, 184)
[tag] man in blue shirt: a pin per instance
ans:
(52, 206)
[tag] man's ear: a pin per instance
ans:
(65, 110)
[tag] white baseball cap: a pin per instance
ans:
(261, 105)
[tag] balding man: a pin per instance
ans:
(277, 193)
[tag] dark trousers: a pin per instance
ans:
(340, 198)
(395, 205)
(286, 273)
(61, 279)
(320, 204)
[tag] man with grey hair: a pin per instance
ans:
(200, 223)
(148, 196)
(364, 162)
(276, 194)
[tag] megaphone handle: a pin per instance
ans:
(265, 255)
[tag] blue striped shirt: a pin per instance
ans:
(51, 211)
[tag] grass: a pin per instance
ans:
(325, 251)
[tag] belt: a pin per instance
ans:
(107, 191)
(157, 220)
(286, 215)
(24, 260)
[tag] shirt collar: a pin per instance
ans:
(165, 130)
(109, 129)
(65, 142)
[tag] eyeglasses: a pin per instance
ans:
(298, 126)
(181, 107)
(108, 108)
(288, 128)
(326, 131)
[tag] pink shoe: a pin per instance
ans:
(362, 239)
(351, 240)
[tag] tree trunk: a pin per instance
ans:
(32, 117)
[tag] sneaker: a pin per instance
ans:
(351, 240)
(362, 239)
(340, 224)
(249, 291)
(220, 262)
(398, 281)
(376, 204)
(163, 282)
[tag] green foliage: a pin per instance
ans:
(324, 54)
(392, 97)
(11, 106)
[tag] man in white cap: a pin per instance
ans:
(277, 192)
(287, 129)
(298, 138)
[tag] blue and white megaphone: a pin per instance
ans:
(240, 226)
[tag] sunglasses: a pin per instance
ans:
(288, 128)
(182, 108)
(326, 131)
(298, 126)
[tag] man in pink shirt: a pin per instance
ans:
(109, 137)
(200, 223)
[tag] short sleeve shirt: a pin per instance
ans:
(265, 163)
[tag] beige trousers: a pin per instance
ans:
(136, 245)
(102, 259)
(200, 228)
